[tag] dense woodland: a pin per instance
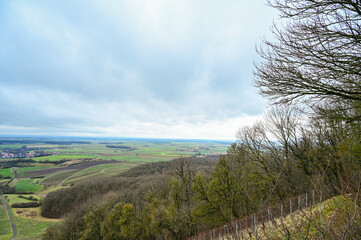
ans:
(310, 138)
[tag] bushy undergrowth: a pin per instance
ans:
(26, 205)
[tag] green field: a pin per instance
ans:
(108, 166)
(56, 178)
(14, 198)
(6, 236)
(96, 171)
(31, 229)
(127, 158)
(51, 189)
(5, 227)
(6, 172)
(26, 185)
(64, 157)
(9, 146)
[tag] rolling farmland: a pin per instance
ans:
(63, 163)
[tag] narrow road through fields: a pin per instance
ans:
(15, 231)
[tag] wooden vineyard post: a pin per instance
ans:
(255, 226)
(291, 209)
(313, 198)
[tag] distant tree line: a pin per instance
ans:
(16, 163)
(67, 142)
(26, 205)
(37, 141)
(120, 147)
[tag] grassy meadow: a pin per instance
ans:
(6, 172)
(31, 229)
(5, 228)
(26, 185)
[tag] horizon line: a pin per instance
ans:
(110, 137)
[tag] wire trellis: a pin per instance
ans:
(271, 222)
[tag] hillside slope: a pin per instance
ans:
(335, 218)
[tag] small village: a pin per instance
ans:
(18, 154)
(23, 152)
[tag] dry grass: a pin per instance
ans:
(32, 213)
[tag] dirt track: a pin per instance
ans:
(13, 226)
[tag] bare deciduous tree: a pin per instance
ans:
(316, 54)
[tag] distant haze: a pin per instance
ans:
(167, 69)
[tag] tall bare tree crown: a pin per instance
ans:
(316, 55)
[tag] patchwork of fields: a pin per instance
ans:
(64, 163)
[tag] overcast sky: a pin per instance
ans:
(150, 68)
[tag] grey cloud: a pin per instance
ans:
(96, 63)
